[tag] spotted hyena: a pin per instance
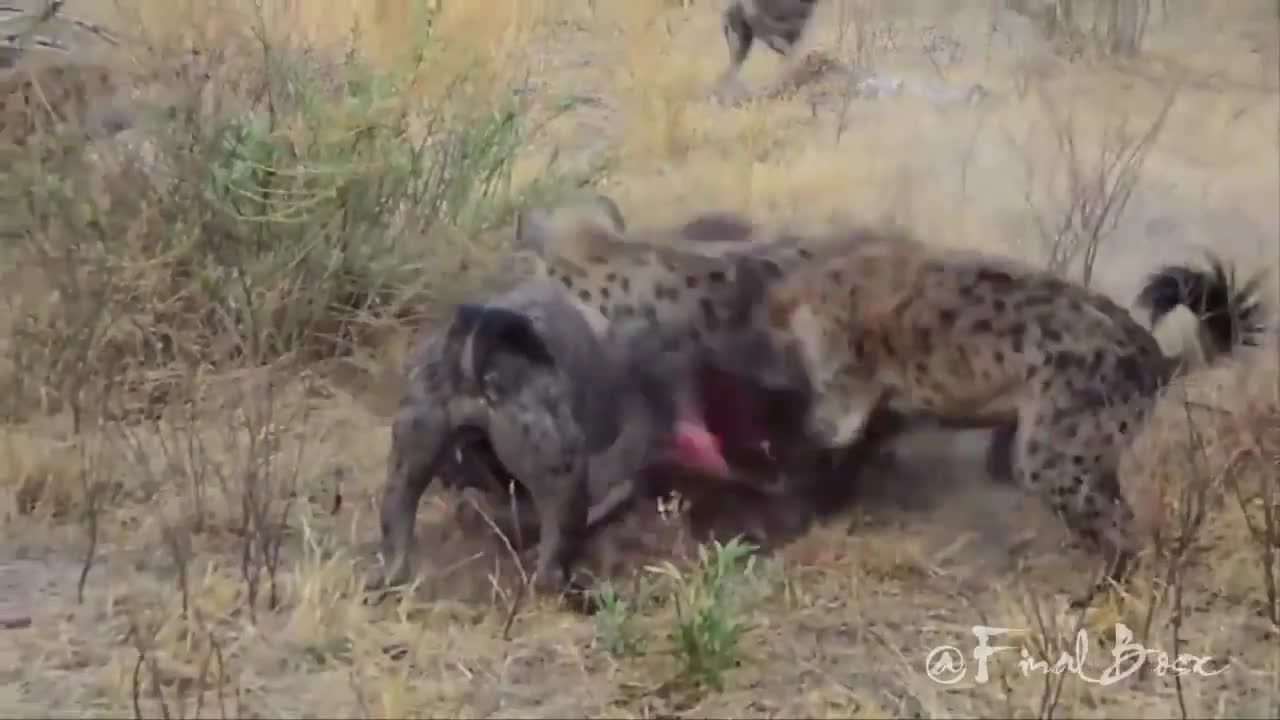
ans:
(779, 24)
(61, 94)
(525, 384)
(881, 319)
(67, 96)
(679, 280)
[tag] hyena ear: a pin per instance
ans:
(533, 231)
(611, 211)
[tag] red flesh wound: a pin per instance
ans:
(695, 446)
(729, 411)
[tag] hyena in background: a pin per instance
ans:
(39, 97)
(883, 319)
(557, 405)
(779, 24)
(80, 99)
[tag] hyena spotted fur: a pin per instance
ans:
(880, 318)
(556, 404)
(779, 24)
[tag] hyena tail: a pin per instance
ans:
(480, 332)
(1228, 314)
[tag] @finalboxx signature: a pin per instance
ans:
(946, 665)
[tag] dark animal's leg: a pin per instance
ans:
(419, 436)
(1000, 453)
(544, 448)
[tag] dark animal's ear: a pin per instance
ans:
(493, 330)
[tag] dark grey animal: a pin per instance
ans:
(555, 404)
(779, 24)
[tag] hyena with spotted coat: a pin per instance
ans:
(880, 318)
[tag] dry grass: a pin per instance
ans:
(194, 385)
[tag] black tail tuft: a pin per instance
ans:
(1231, 313)
(495, 329)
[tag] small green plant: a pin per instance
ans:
(709, 602)
(616, 628)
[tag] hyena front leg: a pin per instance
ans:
(544, 448)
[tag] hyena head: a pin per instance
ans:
(579, 229)
(659, 377)
(564, 242)
(780, 345)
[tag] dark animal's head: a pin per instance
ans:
(659, 385)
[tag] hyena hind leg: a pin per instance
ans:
(1079, 482)
(1100, 515)
(419, 437)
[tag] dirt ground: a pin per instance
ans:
(845, 614)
